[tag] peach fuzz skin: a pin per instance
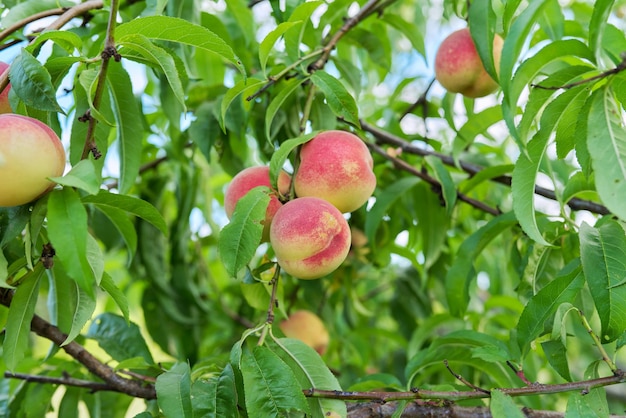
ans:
(247, 180)
(458, 67)
(336, 166)
(307, 327)
(30, 152)
(5, 107)
(310, 237)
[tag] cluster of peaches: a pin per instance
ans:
(309, 233)
(30, 153)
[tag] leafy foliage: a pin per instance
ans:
(493, 246)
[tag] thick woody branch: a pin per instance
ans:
(114, 381)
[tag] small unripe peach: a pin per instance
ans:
(307, 327)
(336, 166)
(247, 180)
(30, 152)
(5, 107)
(458, 67)
(310, 237)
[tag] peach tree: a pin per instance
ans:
(465, 255)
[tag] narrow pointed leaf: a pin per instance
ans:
(502, 405)
(606, 141)
(603, 255)
(339, 100)
(20, 315)
(288, 88)
(241, 237)
(108, 285)
(167, 28)
(67, 228)
(32, 83)
(82, 311)
(83, 176)
(270, 385)
(173, 390)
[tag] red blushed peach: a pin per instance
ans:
(5, 107)
(308, 328)
(30, 152)
(336, 166)
(310, 237)
(247, 180)
(458, 67)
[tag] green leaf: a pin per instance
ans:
(542, 305)
(31, 82)
(85, 305)
(271, 389)
(462, 269)
(83, 176)
(527, 165)
(339, 100)
(108, 285)
(129, 124)
(21, 10)
(21, 313)
(597, 25)
(13, 220)
(4, 272)
(445, 179)
(67, 40)
(603, 255)
(556, 354)
(130, 204)
(502, 405)
(287, 89)
(67, 228)
(514, 42)
(173, 390)
(216, 398)
(579, 405)
(158, 57)
(267, 45)
(482, 22)
(88, 79)
(311, 372)
(280, 156)
(166, 28)
(384, 201)
(118, 338)
(407, 29)
(241, 237)
(243, 87)
(477, 124)
(119, 218)
(606, 142)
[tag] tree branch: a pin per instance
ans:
(403, 165)
(108, 52)
(69, 14)
(115, 382)
(618, 68)
(367, 9)
(473, 169)
(65, 380)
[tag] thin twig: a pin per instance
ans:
(64, 380)
(518, 372)
(464, 380)
(29, 19)
(619, 68)
(421, 101)
(71, 13)
(363, 13)
(597, 342)
(403, 165)
(473, 169)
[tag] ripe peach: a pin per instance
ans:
(307, 327)
(30, 152)
(5, 107)
(336, 166)
(310, 237)
(458, 67)
(248, 179)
